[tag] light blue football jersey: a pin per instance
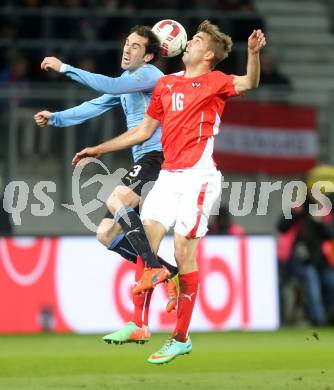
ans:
(133, 90)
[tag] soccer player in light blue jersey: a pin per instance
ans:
(133, 90)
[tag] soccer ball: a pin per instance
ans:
(172, 35)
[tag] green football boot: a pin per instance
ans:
(131, 333)
(170, 351)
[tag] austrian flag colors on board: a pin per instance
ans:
(268, 138)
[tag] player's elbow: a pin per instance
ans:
(137, 136)
(251, 84)
(147, 127)
(245, 83)
(255, 83)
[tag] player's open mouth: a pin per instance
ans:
(126, 59)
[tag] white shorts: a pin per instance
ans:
(183, 199)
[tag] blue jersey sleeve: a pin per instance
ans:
(142, 79)
(83, 112)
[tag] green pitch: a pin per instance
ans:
(288, 359)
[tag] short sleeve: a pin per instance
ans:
(225, 85)
(155, 109)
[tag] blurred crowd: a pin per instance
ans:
(133, 4)
(306, 257)
(105, 21)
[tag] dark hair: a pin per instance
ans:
(153, 43)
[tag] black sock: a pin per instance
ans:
(121, 245)
(135, 233)
(171, 268)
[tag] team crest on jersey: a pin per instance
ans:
(196, 84)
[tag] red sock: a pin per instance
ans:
(187, 298)
(141, 302)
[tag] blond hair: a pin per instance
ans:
(221, 44)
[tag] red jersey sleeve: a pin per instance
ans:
(155, 108)
(225, 85)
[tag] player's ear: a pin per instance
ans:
(209, 55)
(148, 57)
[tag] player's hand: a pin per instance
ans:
(42, 117)
(51, 63)
(256, 41)
(80, 157)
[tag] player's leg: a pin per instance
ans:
(108, 230)
(185, 255)
(126, 199)
(159, 210)
(135, 184)
(137, 330)
(143, 171)
(128, 194)
(155, 231)
(180, 343)
(142, 301)
(200, 192)
(134, 230)
(111, 235)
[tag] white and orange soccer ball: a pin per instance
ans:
(172, 35)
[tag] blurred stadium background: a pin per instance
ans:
(54, 277)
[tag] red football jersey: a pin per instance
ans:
(189, 110)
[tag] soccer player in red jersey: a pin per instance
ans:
(189, 105)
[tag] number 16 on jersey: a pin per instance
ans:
(177, 101)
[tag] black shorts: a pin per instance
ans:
(142, 175)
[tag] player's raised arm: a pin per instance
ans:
(251, 79)
(124, 141)
(78, 114)
(144, 78)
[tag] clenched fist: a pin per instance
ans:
(42, 118)
(51, 63)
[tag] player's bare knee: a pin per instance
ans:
(111, 203)
(122, 196)
(126, 196)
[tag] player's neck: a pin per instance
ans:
(195, 71)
